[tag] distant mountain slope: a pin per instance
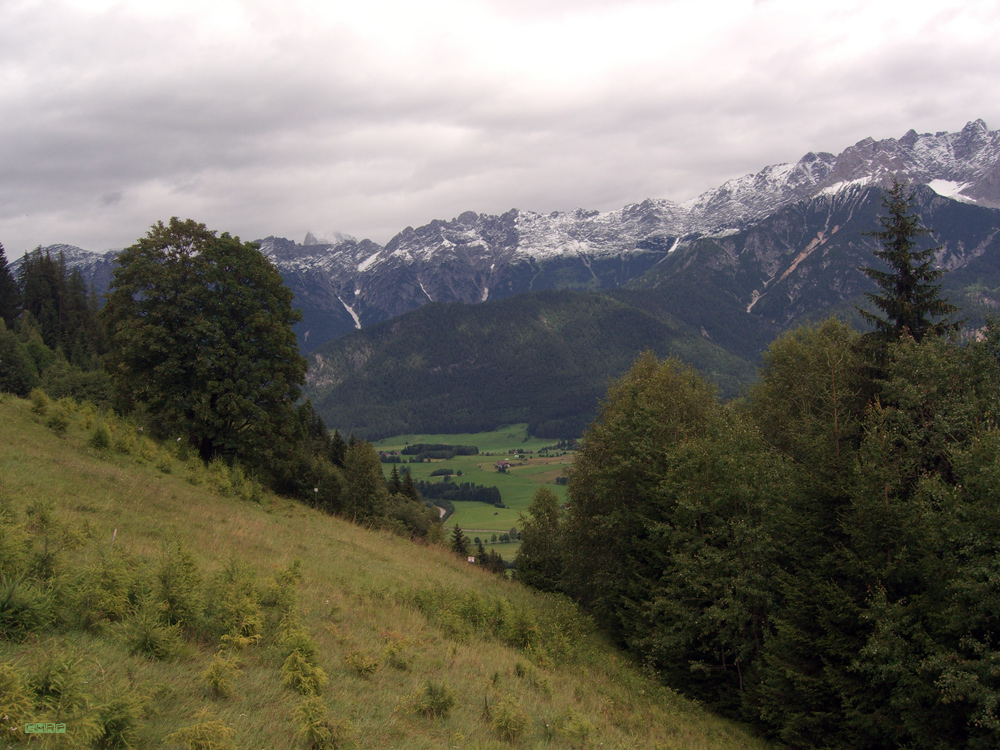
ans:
(745, 287)
(345, 284)
(543, 358)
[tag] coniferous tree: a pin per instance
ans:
(395, 483)
(458, 543)
(409, 488)
(616, 474)
(10, 295)
(909, 299)
(338, 449)
(18, 374)
(44, 294)
(809, 404)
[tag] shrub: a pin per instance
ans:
(195, 473)
(208, 734)
(507, 719)
(14, 543)
(178, 587)
(58, 421)
(145, 449)
(218, 678)
(23, 608)
(101, 593)
(117, 720)
(164, 461)
(124, 441)
(293, 637)
(520, 628)
(100, 438)
(365, 663)
(220, 476)
(574, 726)
(59, 684)
(148, 634)
(236, 603)
(396, 656)
(301, 674)
(39, 401)
(434, 700)
(316, 730)
(280, 592)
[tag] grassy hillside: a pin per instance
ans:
(89, 543)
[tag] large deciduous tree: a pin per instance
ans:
(201, 337)
(539, 559)
(909, 298)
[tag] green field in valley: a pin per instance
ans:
(527, 473)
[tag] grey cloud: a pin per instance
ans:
(287, 132)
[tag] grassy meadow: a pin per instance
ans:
(308, 631)
(516, 486)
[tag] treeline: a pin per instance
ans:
(466, 491)
(822, 557)
(442, 451)
(50, 333)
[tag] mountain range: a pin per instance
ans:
(730, 268)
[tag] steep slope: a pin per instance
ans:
(543, 358)
(96, 531)
(344, 284)
(804, 259)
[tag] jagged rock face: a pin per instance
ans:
(778, 231)
(806, 257)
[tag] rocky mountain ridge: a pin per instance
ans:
(346, 284)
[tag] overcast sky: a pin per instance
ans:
(261, 118)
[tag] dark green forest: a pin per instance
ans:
(547, 356)
(819, 557)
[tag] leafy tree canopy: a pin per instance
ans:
(201, 337)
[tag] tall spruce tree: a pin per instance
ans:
(10, 295)
(909, 299)
(458, 543)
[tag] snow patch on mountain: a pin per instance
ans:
(950, 189)
(368, 262)
(840, 187)
(357, 320)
